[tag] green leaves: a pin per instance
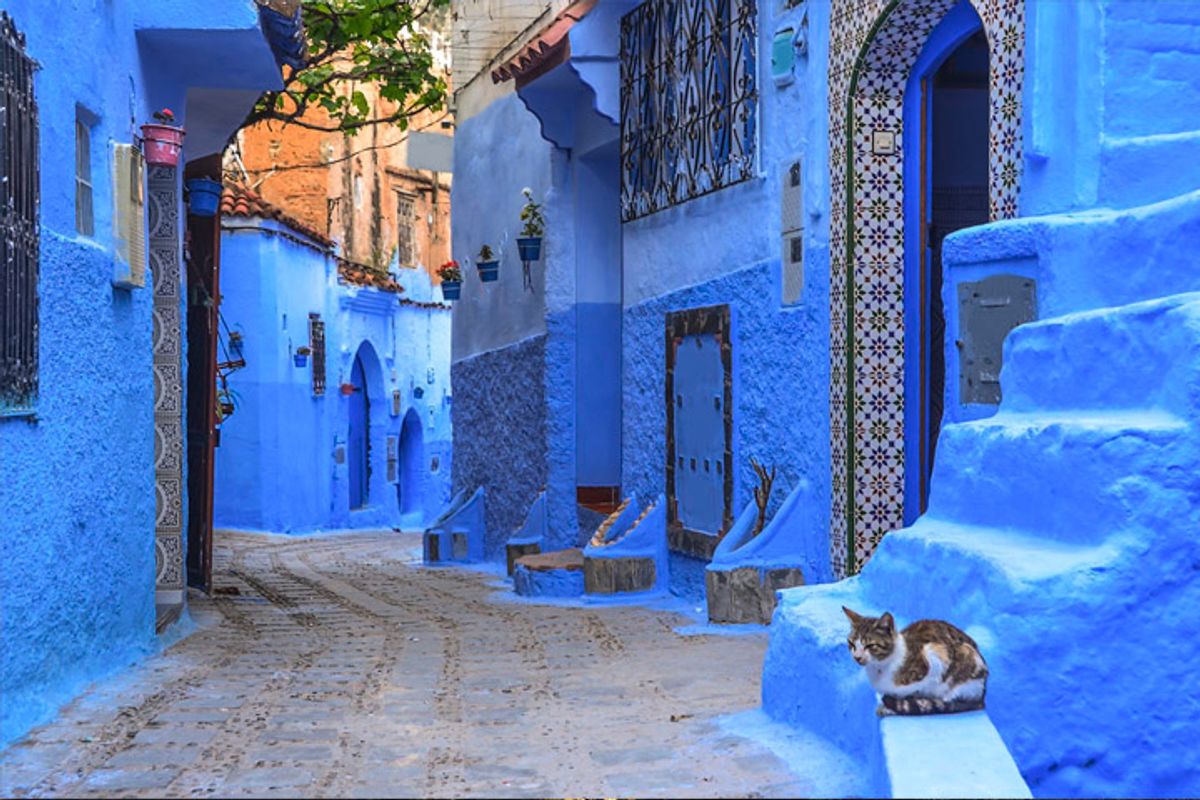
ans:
(353, 45)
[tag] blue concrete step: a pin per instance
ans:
(1065, 364)
(1007, 471)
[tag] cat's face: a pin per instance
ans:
(871, 638)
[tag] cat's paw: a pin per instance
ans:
(883, 711)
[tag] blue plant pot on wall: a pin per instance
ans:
(204, 197)
(301, 359)
(530, 247)
(451, 290)
(489, 271)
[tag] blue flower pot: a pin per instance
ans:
(301, 359)
(489, 271)
(451, 290)
(418, 392)
(235, 346)
(530, 247)
(204, 197)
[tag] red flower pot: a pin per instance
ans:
(162, 144)
(347, 389)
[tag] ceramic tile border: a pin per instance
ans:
(873, 45)
(163, 195)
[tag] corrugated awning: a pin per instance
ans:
(549, 48)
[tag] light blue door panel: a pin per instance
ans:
(699, 433)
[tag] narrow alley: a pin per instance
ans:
(340, 667)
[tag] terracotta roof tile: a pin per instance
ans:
(549, 48)
(240, 201)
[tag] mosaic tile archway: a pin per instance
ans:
(873, 46)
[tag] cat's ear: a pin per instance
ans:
(887, 622)
(854, 618)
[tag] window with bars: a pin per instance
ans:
(19, 223)
(84, 217)
(406, 216)
(689, 98)
(316, 342)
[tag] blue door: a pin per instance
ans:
(359, 437)
(700, 433)
(412, 464)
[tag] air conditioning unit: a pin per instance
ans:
(791, 225)
(129, 216)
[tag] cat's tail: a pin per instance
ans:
(916, 705)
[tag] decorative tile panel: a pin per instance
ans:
(873, 46)
(165, 261)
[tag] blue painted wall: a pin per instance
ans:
(77, 530)
(276, 468)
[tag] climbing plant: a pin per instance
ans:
(352, 45)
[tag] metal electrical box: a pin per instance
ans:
(791, 225)
(987, 311)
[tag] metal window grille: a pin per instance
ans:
(406, 216)
(84, 218)
(689, 99)
(18, 223)
(316, 342)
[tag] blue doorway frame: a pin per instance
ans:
(960, 23)
(359, 437)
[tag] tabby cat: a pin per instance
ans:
(930, 667)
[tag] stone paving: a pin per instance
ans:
(344, 668)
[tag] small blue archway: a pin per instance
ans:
(410, 489)
(366, 378)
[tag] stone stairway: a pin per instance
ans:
(1062, 534)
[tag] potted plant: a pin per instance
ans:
(300, 357)
(451, 276)
(162, 141)
(529, 243)
(235, 343)
(488, 265)
(204, 196)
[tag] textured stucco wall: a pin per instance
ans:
(500, 433)
(77, 528)
(780, 365)
(275, 467)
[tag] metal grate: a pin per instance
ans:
(316, 342)
(18, 223)
(689, 99)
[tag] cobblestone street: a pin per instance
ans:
(342, 668)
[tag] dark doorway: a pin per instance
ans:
(955, 196)
(359, 437)
(410, 487)
(202, 256)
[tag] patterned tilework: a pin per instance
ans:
(168, 379)
(873, 46)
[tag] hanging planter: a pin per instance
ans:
(300, 357)
(162, 142)
(418, 392)
(204, 197)
(236, 342)
(451, 276)
(530, 247)
(488, 265)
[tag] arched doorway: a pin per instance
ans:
(358, 437)
(410, 488)
(873, 299)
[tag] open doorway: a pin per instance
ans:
(358, 437)
(951, 179)
(410, 486)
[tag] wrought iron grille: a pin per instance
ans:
(689, 101)
(18, 223)
(316, 343)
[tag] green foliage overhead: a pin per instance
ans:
(354, 44)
